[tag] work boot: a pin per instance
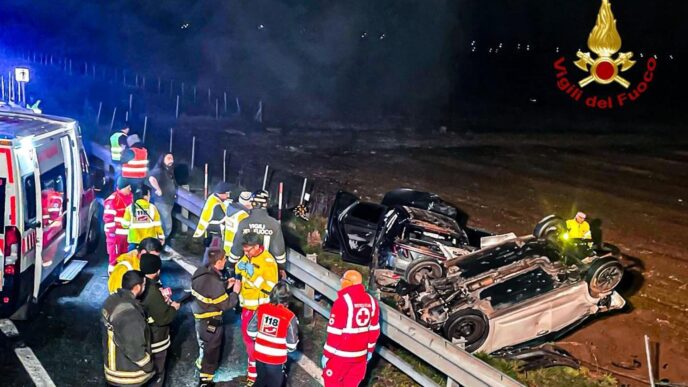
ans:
(206, 383)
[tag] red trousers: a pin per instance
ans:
(246, 316)
(340, 372)
(115, 247)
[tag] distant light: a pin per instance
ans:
(655, 56)
(382, 36)
(364, 35)
(557, 49)
(260, 26)
(671, 57)
(185, 26)
(641, 54)
(500, 45)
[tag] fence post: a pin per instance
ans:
(176, 111)
(131, 101)
(159, 85)
(193, 151)
(225, 102)
(224, 165)
(452, 383)
(145, 126)
(217, 109)
(184, 211)
(112, 122)
(308, 311)
(171, 132)
(100, 108)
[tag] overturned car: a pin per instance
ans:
(484, 291)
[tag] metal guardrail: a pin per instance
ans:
(457, 364)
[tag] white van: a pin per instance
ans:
(47, 202)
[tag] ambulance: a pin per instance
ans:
(47, 205)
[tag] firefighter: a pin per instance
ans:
(257, 271)
(126, 336)
(236, 212)
(578, 228)
(275, 330)
(211, 301)
(352, 332)
(118, 142)
(132, 261)
(212, 219)
(142, 219)
(135, 160)
(114, 208)
(264, 225)
(160, 312)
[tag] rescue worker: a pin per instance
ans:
(211, 301)
(236, 212)
(212, 219)
(260, 222)
(114, 208)
(352, 332)
(135, 160)
(160, 312)
(142, 219)
(118, 142)
(257, 271)
(164, 185)
(126, 336)
(275, 330)
(132, 261)
(578, 228)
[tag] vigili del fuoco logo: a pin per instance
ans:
(605, 67)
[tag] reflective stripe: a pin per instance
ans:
(144, 361)
(260, 301)
(271, 339)
(202, 222)
(121, 231)
(138, 162)
(269, 350)
(110, 212)
(338, 331)
(161, 345)
(127, 265)
(140, 225)
(258, 282)
(119, 219)
(292, 346)
(270, 284)
(374, 327)
(208, 314)
(339, 352)
(126, 377)
(281, 258)
(150, 320)
(350, 311)
(111, 349)
(371, 345)
(207, 300)
(269, 260)
(252, 334)
(252, 374)
(110, 224)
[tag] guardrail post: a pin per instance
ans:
(185, 212)
(452, 383)
(310, 292)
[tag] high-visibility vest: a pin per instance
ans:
(271, 345)
(115, 149)
(232, 220)
(125, 262)
(578, 230)
(255, 289)
(136, 168)
(143, 222)
(212, 217)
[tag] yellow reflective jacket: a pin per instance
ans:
(143, 222)
(255, 289)
(212, 217)
(125, 262)
(578, 230)
(235, 214)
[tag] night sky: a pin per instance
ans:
(423, 62)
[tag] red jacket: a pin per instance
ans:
(113, 214)
(275, 330)
(136, 163)
(354, 325)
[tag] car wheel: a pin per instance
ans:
(419, 269)
(469, 325)
(93, 233)
(603, 276)
(550, 228)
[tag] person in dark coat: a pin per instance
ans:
(164, 185)
(160, 313)
(126, 336)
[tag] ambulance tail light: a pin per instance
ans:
(12, 243)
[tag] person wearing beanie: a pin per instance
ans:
(211, 222)
(135, 160)
(113, 214)
(161, 313)
(236, 212)
(132, 261)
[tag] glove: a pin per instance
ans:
(249, 269)
(370, 356)
(323, 361)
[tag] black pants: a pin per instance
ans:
(159, 364)
(210, 347)
(269, 375)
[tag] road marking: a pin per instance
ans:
(8, 328)
(26, 356)
(304, 362)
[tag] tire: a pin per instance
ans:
(603, 276)
(550, 227)
(470, 324)
(93, 236)
(420, 268)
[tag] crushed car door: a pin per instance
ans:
(358, 226)
(342, 201)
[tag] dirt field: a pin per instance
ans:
(634, 184)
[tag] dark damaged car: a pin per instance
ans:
(487, 292)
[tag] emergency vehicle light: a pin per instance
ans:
(5, 142)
